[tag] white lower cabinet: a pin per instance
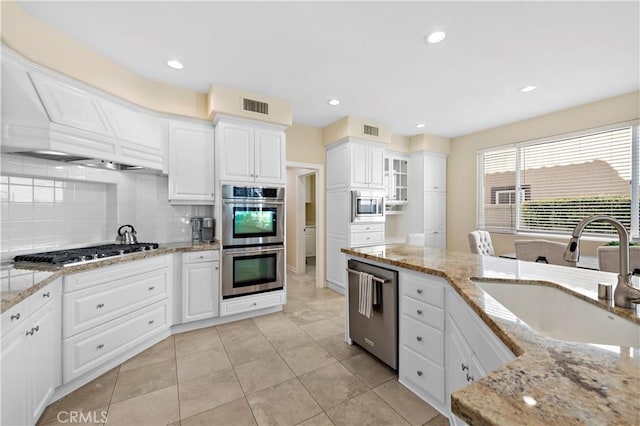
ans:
(109, 311)
(200, 285)
(421, 327)
(31, 357)
(472, 349)
(443, 344)
(252, 303)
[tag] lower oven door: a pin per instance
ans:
(252, 270)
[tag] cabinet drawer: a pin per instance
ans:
(372, 227)
(45, 294)
(113, 273)
(91, 349)
(251, 303)
(201, 256)
(367, 238)
(424, 375)
(93, 306)
(425, 340)
(423, 289)
(423, 312)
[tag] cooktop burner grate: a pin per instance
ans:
(84, 254)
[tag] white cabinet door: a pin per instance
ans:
(310, 241)
(435, 173)
(359, 166)
(69, 105)
(15, 367)
(269, 156)
(45, 371)
(200, 290)
(191, 164)
(457, 365)
(376, 167)
(338, 167)
(336, 263)
(236, 145)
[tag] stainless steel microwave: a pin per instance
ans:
(367, 206)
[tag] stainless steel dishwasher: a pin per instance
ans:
(377, 334)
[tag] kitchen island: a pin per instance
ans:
(550, 381)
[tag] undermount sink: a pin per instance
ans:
(562, 316)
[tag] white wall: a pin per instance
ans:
(47, 205)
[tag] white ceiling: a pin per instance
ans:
(371, 55)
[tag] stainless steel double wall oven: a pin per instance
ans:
(252, 240)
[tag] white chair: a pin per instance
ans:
(415, 239)
(480, 243)
(608, 258)
(542, 251)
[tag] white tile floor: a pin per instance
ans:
(289, 368)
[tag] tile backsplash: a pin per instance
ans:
(51, 205)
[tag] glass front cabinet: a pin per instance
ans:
(395, 180)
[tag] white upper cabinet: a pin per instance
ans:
(435, 173)
(251, 152)
(367, 165)
(338, 166)
(191, 163)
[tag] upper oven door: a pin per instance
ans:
(252, 223)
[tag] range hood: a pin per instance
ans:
(36, 122)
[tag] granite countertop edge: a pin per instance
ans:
(572, 383)
(11, 299)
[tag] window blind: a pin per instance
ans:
(547, 187)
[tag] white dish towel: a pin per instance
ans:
(366, 294)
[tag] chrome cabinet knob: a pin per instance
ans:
(464, 367)
(100, 306)
(419, 373)
(152, 287)
(419, 338)
(15, 316)
(100, 346)
(470, 378)
(419, 291)
(419, 312)
(151, 322)
(47, 294)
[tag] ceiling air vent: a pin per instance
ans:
(255, 106)
(371, 130)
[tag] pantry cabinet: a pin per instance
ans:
(31, 356)
(200, 285)
(251, 151)
(191, 163)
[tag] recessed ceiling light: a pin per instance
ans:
(175, 64)
(334, 102)
(420, 125)
(527, 89)
(435, 37)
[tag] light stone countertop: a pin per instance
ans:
(573, 383)
(20, 282)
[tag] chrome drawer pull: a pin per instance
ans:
(151, 322)
(464, 367)
(419, 338)
(419, 373)
(30, 332)
(419, 291)
(419, 312)
(47, 294)
(37, 328)
(152, 287)
(15, 317)
(100, 306)
(100, 346)
(469, 378)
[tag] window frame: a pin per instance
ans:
(634, 193)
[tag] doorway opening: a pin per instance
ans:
(305, 220)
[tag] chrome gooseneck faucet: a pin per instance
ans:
(625, 294)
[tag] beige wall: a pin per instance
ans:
(50, 48)
(462, 160)
(304, 144)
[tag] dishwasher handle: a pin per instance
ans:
(380, 280)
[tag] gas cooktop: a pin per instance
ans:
(72, 257)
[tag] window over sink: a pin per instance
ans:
(560, 181)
